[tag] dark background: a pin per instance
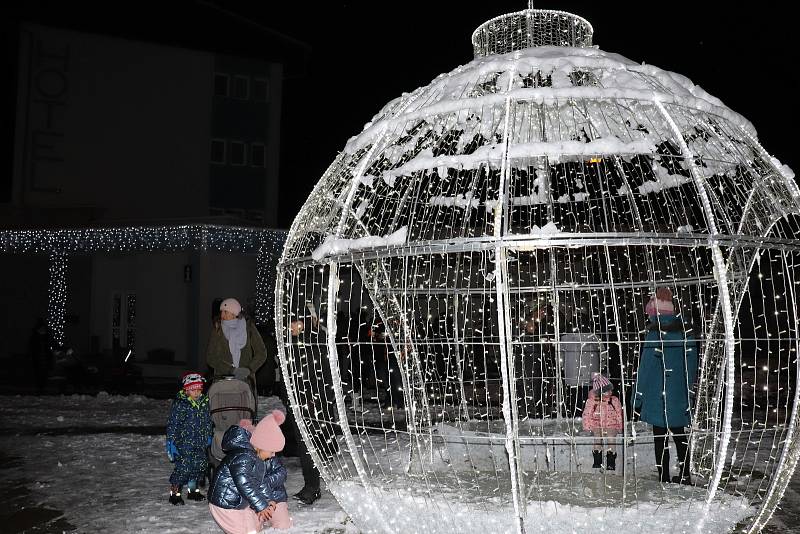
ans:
(347, 59)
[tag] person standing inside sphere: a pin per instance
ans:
(667, 371)
(235, 346)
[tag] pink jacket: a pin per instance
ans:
(604, 413)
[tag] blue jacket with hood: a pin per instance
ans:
(242, 478)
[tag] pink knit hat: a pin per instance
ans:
(267, 435)
(600, 383)
(660, 303)
(232, 305)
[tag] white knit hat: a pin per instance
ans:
(232, 305)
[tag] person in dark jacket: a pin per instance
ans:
(667, 372)
(248, 487)
(307, 351)
(189, 432)
(235, 347)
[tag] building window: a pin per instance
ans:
(237, 153)
(130, 315)
(123, 321)
(221, 84)
(258, 155)
(261, 90)
(218, 151)
(241, 87)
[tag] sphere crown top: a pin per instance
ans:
(531, 28)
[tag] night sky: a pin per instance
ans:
(360, 55)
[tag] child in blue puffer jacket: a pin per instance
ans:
(189, 433)
(248, 487)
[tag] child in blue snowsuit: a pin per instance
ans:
(189, 433)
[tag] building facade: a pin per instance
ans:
(114, 132)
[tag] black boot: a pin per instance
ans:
(663, 469)
(682, 445)
(307, 495)
(611, 460)
(683, 476)
(598, 459)
(175, 496)
(195, 495)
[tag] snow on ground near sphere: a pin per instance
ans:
(116, 481)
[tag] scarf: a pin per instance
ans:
(235, 331)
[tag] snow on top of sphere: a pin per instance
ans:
(545, 74)
(552, 137)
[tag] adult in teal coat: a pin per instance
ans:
(667, 372)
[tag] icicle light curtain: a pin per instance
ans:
(61, 244)
(490, 241)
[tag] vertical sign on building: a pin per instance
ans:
(47, 78)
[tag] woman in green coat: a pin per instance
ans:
(235, 346)
(666, 375)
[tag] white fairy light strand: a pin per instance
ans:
(59, 244)
(57, 293)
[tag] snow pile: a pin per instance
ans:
(466, 200)
(664, 180)
(548, 229)
(443, 511)
(785, 170)
(332, 245)
(605, 77)
(492, 154)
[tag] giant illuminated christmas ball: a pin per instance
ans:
(490, 241)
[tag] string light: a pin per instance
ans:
(59, 244)
(477, 230)
(57, 293)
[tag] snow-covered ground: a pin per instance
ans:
(100, 460)
(116, 481)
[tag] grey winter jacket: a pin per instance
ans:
(237, 482)
(580, 354)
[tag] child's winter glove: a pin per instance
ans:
(172, 450)
(241, 373)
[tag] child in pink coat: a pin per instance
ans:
(602, 416)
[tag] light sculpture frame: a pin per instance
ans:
(544, 188)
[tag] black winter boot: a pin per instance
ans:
(307, 495)
(683, 476)
(598, 459)
(175, 496)
(611, 460)
(195, 495)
